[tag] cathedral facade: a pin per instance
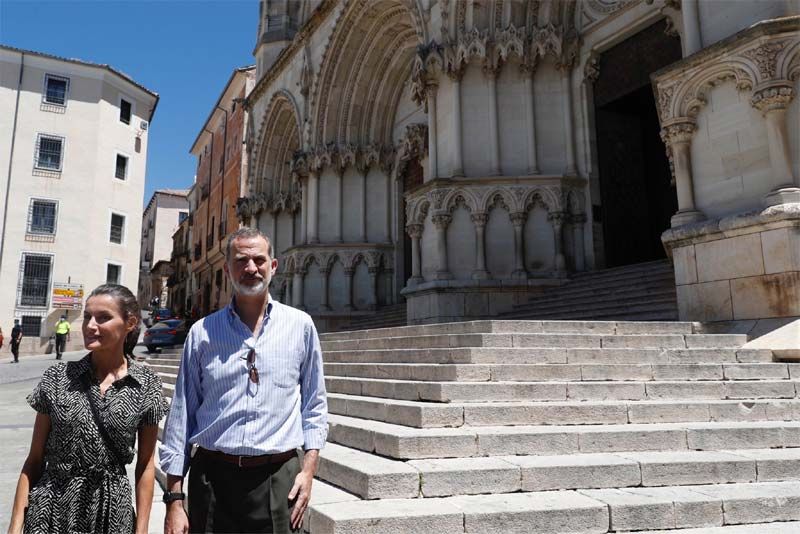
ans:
(461, 155)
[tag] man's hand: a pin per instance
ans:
(176, 520)
(302, 492)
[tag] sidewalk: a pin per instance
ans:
(16, 428)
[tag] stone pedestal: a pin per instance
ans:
(740, 267)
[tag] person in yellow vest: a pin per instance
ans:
(62, 336)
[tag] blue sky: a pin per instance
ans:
(184, 50)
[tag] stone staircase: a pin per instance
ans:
(641, 292)
(384, 317)
(554, 427)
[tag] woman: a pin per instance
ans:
(90, 412)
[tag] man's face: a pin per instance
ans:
(249, 267)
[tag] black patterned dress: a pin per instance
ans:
(82, 488)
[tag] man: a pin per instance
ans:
(249, 393)
(16, 339)
(62, 336)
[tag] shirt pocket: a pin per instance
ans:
(284, 369)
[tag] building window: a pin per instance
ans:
(121, 170)
(31, 325)
(42, 217)
(182, 216)
(125, 109)
(113, 273)
(117, 228)
(35, 279)
(49, 151)
(55, 89)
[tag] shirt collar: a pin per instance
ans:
(233, 314)
(84, 367)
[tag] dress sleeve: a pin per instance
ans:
(41, 397)
(155, 404)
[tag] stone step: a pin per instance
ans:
(599, 298)
(374, 477)
(510, 355)
(556, 372)
(787, 527)
(581, 511)
(556, 391)
(662, 264)
(168, 369)
(438, 415)
(518, 327)
(662, 312)
(594, 308)
(401, 442)
(661, 341)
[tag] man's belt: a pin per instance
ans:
(246, 461)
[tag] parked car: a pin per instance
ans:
(165, 334)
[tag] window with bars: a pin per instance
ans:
(121, 171)
(31, 325)
(117, 228)
(182, 216)
(42, 217)
(55, 89)
(125, 109)
(113, 273)
(35, 281)
(49, 151)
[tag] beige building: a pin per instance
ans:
(73, 150)
(163, 214)
(466, 155)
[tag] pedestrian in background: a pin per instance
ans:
(1, 338)
(90, 414)
(16, 339)
(62, 336)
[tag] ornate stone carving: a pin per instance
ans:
(442, 220)
(518, 218)
(678, 132)
(591, 70)
(414, 230)
(437, 197)
(773, 98)
(765, 57)
(556, 218)
(480, 219)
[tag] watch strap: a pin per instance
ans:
(170, 496)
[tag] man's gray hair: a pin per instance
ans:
(247, 233)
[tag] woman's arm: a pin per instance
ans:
(145, 476)
(31, 472)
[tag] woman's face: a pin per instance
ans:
(104, 326)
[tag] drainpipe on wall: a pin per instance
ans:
(222, 185)
(208, 208)
(11, 159)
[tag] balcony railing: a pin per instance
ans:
(198, 250)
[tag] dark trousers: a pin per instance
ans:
(15, 350)
(226, 498)
(61, 342)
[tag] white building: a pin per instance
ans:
(165, 211)
(73, 151)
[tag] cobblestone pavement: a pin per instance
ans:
(16, 427)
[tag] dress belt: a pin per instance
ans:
(246, 461)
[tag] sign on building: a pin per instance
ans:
(69, 296)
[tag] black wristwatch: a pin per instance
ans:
(170, 496)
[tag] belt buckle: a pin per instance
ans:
(240, 461)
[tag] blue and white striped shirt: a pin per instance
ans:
(217, 407)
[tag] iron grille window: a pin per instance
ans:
(182, 216)
(56, 88)
(124, 111)
(35, 279)
(31, 325)
(49, 150)
(121, 171)
(42, 217)
(113, 273)
(117, 228)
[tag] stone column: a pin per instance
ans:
(289, 296)
(415, 232)
(387, 207)
(578, 222)
(339, 199)
(304, 212)
(557, 220)
(373, 282)
(494, 131)
(313, 208)
(530, 120)
(273, 236)
(297, 287)
(362, 223)
(772, 103)
(518, 220)
(458, 158)
(348, 289)
(292, 236)
(324, 304)
(480, 220)
(677, 135)
(692, 39)
(569, 134)
(442, 221)
(433, 149)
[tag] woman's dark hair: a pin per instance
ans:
(128, 305)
